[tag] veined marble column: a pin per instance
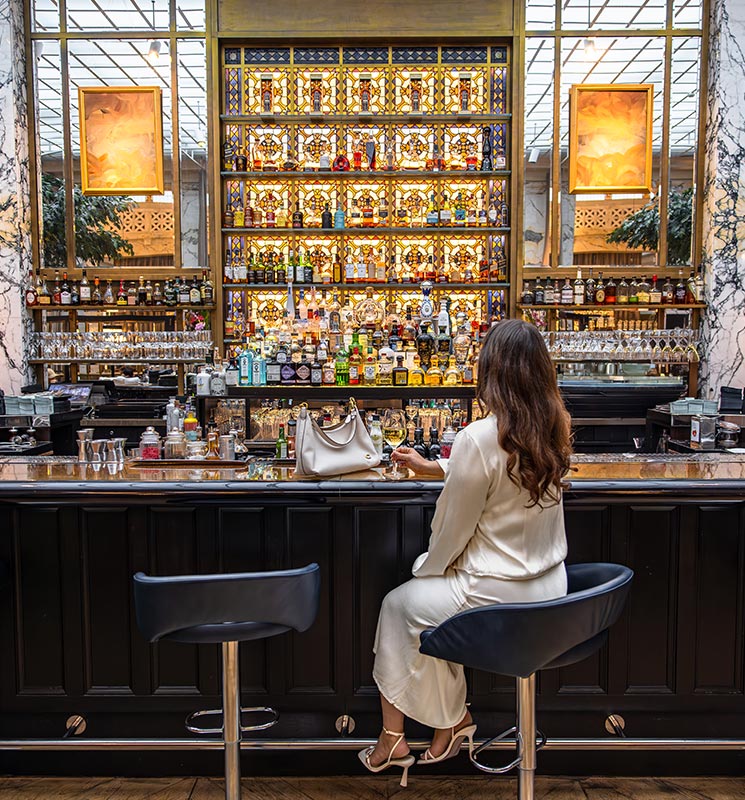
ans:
(15, 209)
(724, 215)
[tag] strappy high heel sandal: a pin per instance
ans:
(453, 748)
(404, 762)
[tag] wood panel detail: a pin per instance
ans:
(288, 20)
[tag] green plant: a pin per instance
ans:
(642, 228)
(97, 223)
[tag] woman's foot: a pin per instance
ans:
(442, 737)
(382, 749)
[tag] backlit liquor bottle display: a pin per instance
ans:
(354, 167)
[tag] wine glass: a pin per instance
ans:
(394, 432)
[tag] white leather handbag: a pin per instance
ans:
(346, 447)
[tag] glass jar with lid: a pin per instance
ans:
(175, 445)
(150, 444)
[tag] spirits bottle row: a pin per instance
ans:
(174, 292)
(369, 266)
(479, 149)
(458, 210)
(609, 292)
(362, 344)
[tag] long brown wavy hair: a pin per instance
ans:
(517, 383)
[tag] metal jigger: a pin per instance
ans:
(97, 453)
(85, 436)
(110, 456)
(119, 447)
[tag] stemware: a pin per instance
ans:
(394, 433)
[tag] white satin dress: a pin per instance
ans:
(488, 545)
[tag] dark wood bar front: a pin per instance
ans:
(70, 540)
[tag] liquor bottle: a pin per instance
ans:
(633, 291)
(539, 293)
(369, 369)
(355, 367)
(65, 296)
(590, 288)
(183, 293)
(308, 275)
(328, 372)
(32, 293)
(96, 295)
(500, 158)
(249, 216)
(385, 371)
(433, 215)
(446, 216)
(425, 345)
(270, 218)
(452, 376)
(195, 296)
(157, 295)
(316, 372)
(549, 293)
(207, 289)
(527, 297)
(326, 218)
(400, 373)
(700, 288)
(433, 376)
(239, 216)
(416, 373)
(655, 293)
(141, 292)
(567, 293)
(579, 289)
(342, 368)
(281, 444)
(132, 294)
(170, 297)
(231, 372)
(85, 290)
(339, 217)
(600, 290)
(366, 209)
(74, 294)
(434, 444)
(610, 292)
(418, 443)
(282, 216)
(297, 217)
(486, 153)
(680, 289)
(691, 291)
(642, 291)
(302, 372)
(383, 220)
(108, 295)
(668, 292)
(57, 290)
(622, 292)
(459, 213)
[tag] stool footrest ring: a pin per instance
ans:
(217, 712)
(519, 742)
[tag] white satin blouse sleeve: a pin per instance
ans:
(459, 507)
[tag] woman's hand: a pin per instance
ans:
(408, 457)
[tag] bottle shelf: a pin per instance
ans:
(609, 306)
(352, 286)
(367, 175)
(115, 307)
(116, 361)
(358, 392)
(362, 119)
(316, 232)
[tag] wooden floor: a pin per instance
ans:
(372, 788)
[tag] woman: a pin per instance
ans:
(497, 537)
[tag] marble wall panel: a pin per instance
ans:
(15, 219)
(724, 216)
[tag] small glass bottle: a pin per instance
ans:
(400, 373)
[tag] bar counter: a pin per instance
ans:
(71, 537)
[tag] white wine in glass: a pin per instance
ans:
(394, 432)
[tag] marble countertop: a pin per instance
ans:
(597, 471)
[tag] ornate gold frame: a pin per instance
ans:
(613, 88)
(157, 186)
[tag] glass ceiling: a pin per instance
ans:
(617, 59)
(123, 62)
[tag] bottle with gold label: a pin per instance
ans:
(452, 376)
(385, 371)
(416, 373)
(400, 373)
(433, 376)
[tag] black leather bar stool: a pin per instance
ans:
(520, 639)
(230, 608)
